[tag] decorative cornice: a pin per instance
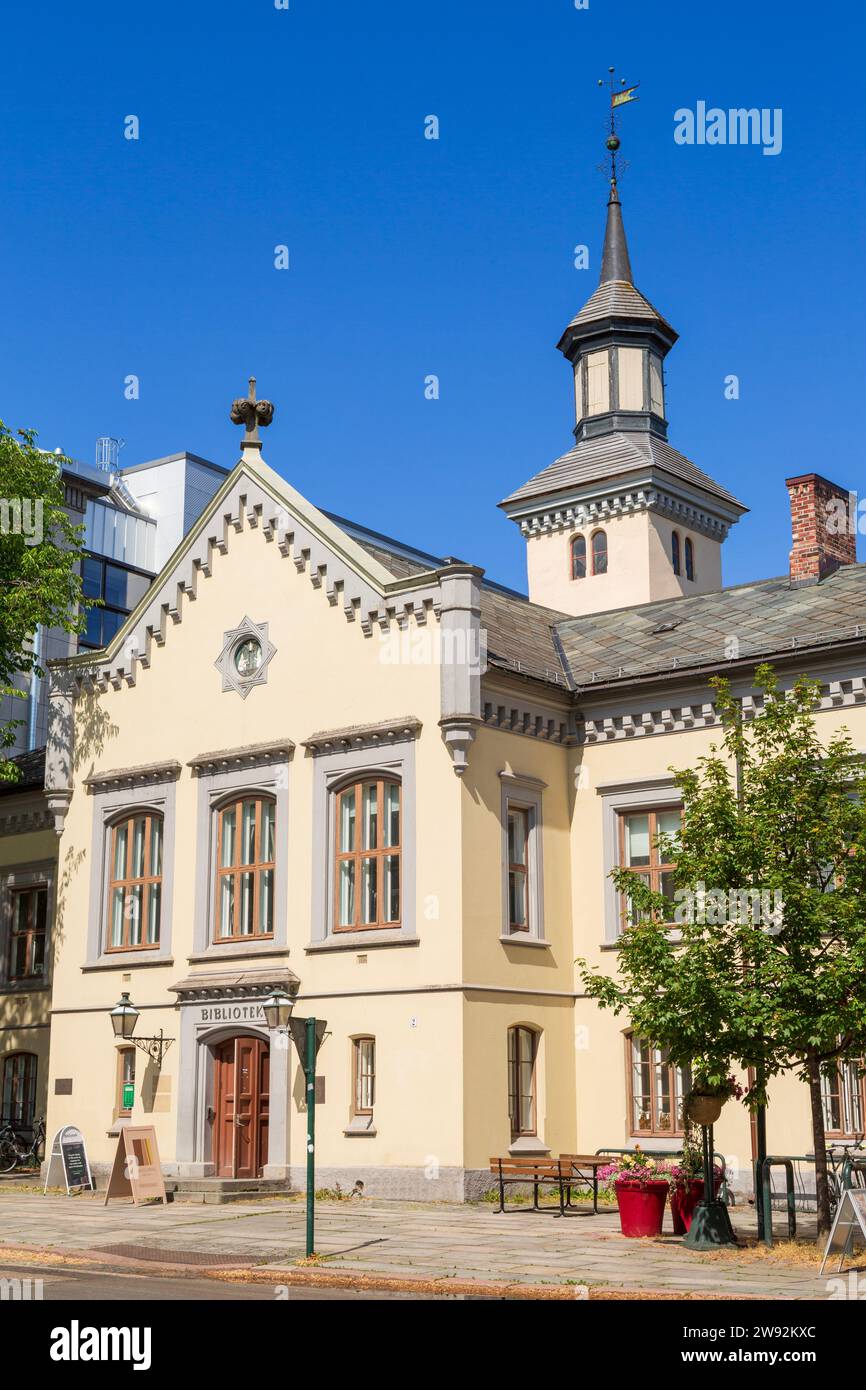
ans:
(236, 759)
(234, 984)
(550, 518)
(674, 719)
(519, 717)
(22, 818)
(379, 735)
(142, 776)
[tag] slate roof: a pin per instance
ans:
(766, 618)
(617, 298)
(32, 768)
(614, 455)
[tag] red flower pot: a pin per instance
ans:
(641, 1207)
(684, 1198)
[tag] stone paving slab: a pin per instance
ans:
(398, 1238)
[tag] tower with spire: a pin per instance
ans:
(622, 518)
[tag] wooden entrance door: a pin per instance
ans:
(241, 1105)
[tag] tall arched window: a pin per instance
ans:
(690, 559)
(578, 557)
(367, 860)
(522, 1055)
(245, 869)
(135, 882)
(599, 552)
(675, 551)
(19, 1090)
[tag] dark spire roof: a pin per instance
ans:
(615, 264)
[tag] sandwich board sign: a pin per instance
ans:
(69, 1154)
(136, 1170)
(849, 1225)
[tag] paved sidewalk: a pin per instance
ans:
(401, 1240)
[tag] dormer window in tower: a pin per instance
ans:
(599, 552)
(598, 382)
(578, 557)
(675, 552)
(690, 558)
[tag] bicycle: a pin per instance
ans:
(14, 1154)
(846, 1164)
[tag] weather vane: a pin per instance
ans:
(619, 96)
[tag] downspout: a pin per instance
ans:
(35, 691)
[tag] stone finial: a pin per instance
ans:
(251, 413)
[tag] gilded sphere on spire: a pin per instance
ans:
(613, 143)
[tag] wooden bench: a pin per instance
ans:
(540, 1172)
(582, 1169)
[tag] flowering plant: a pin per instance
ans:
(729, 1089)
(634, 1169)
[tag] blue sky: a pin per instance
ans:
(411, 257)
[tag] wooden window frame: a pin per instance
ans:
(599, 532)
(654, 870)
(32, 933)
(515, 1032)
(838, 1090)
(515, 808)
(145, 881)
(676, 1088)
(572, 550)
(676, 553)
(31, 1073)
(358, 1075)
(358, 854)
(257, 867)
(689, 558)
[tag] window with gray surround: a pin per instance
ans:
(380, 751)
(260, 770)
(25, 963)
(618, 798)
(522, 859)
(149, 790)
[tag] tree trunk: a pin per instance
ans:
(822, 1188)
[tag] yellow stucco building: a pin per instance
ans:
(316, 759)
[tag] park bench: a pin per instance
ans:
(582, 1170)
(540, 1172)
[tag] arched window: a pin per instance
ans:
(578, 557)
(19, 1089)
(690, 559)
(135, 882)
(675, 551)
(599, 552)
(245, 869)
(367, 860)
(522, 1054)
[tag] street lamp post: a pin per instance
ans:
(307, 1034)
(124, 1017)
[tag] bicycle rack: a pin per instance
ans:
(774, 1161)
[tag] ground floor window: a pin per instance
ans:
(656, 1090)
(19, 1089)
(363, 1075)
(522, 1054)
(843, 1092)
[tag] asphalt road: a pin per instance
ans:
(99, 1286)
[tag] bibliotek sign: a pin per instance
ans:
(136, 1170)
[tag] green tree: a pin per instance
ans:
(40, 584)
(766, 964)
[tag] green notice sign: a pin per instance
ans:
(128, 1095)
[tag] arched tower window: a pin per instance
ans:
(690, 559)
(675, 551)
(599, 552)
(578, 557)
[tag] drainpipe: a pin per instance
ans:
(35, 689)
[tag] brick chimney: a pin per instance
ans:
(823, 528)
